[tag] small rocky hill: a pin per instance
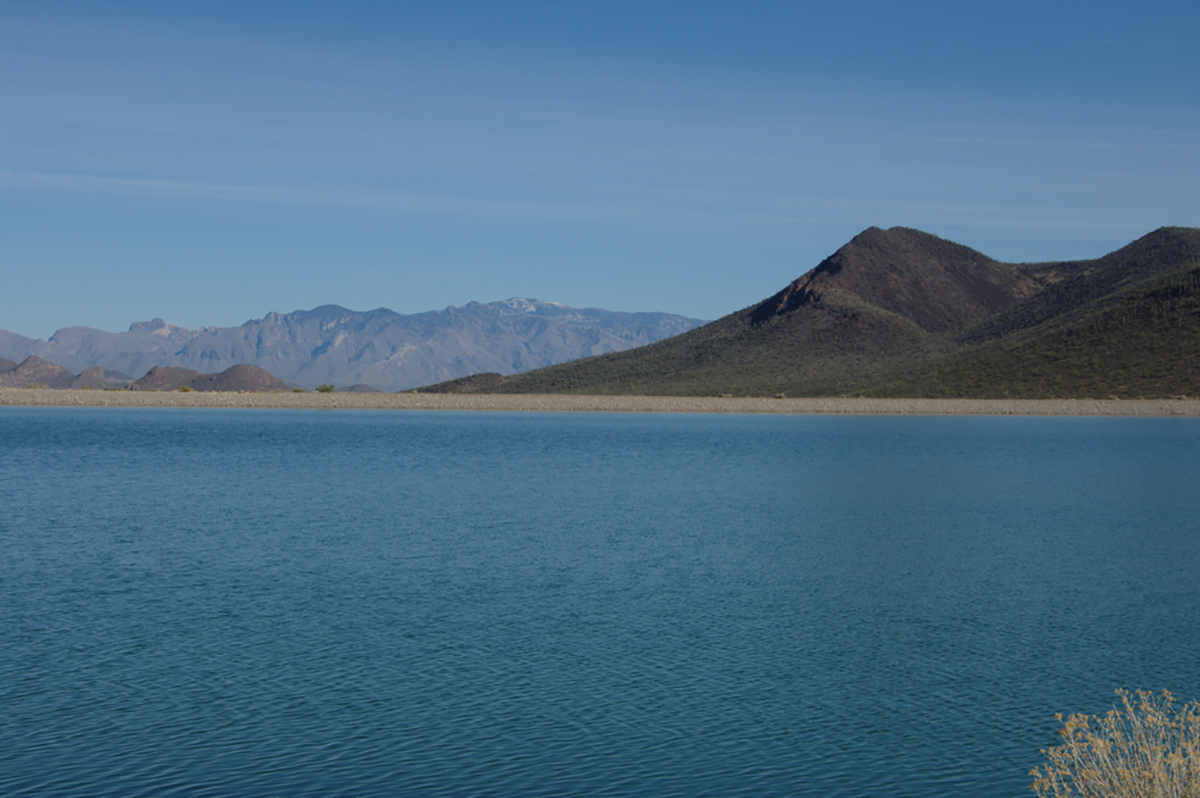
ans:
(33, 371)
(95, 378)
(37, 373)
(165, 378)
(241, 377)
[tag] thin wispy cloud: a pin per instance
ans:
(676, 203)
(187, 190)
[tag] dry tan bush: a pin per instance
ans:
(1148, 747)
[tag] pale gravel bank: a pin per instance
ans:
(642, 404)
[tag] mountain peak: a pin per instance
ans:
(147, 326)
(938, 284)
(1170, 242)
(156, 326)
(161, 329)
(514, 305)
(525, 306)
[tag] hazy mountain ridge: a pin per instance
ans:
(382, 348)
(905, 313)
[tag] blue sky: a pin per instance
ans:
(210, 162)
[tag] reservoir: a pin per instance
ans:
(213, 602)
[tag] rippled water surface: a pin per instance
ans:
(458, 604)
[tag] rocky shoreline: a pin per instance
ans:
(643, 404)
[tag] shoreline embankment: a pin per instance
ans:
(626, 404)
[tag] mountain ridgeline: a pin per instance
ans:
(379, 348)
(900, 312)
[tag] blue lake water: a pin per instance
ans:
(256, 602)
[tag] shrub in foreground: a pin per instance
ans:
(1148, 746)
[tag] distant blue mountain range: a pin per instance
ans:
(381, 348)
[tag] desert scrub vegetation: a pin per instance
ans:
(1146, 747)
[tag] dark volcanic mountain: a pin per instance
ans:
(901, 312)
(380, 348)
(937, 285)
